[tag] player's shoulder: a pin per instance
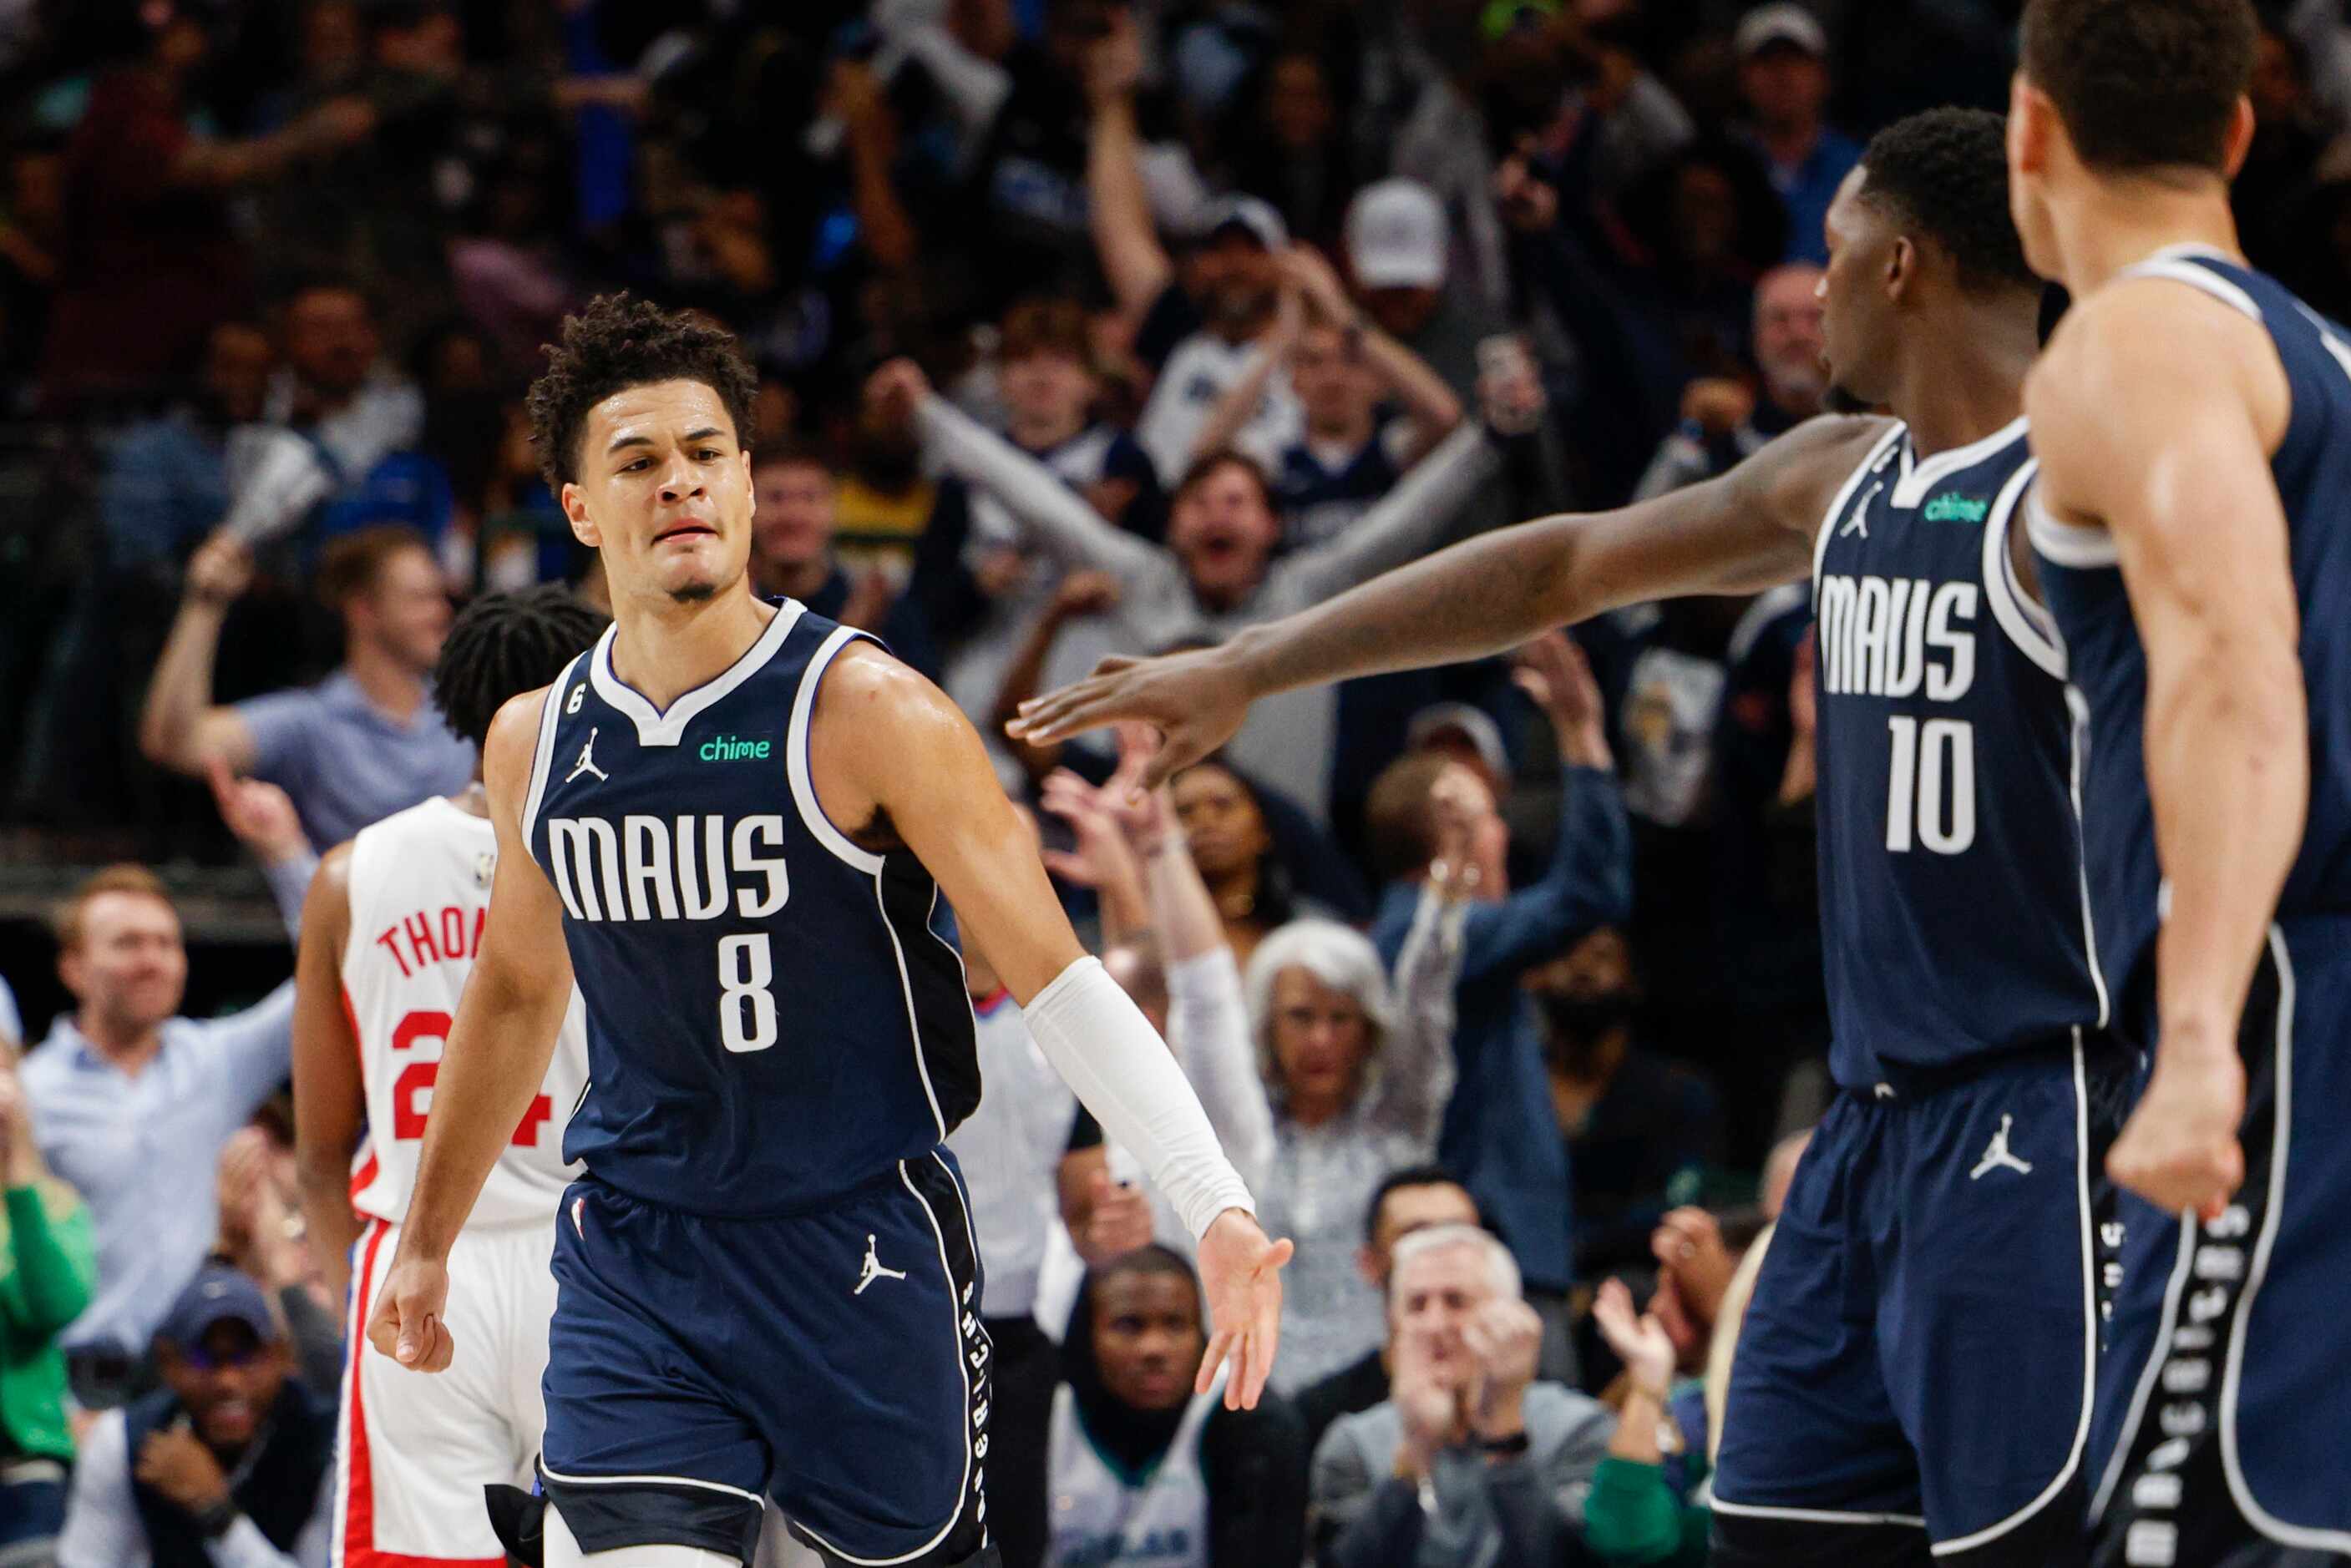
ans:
(874, 707)
(2143, 344)
(1800, 472)
(868, 677)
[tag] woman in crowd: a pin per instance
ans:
(1358, 1081)
(1140, 1467)
(47, 1271)
(1232, 844)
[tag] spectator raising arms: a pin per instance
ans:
(132, 1104)
(355, 748)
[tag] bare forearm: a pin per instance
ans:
(2228, 765)
(326, 1213)
(1180, 903)
(1027, 670)
(889, 237)
(181, 688)
(1479, 598)
(1433, 408)
(1132, 258)
(1635, 1437)
(495, 1060)
(1232, 411)
(1125, 902)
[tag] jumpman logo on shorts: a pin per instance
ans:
(1996, 1155)
(587, 762)
(873, 1271)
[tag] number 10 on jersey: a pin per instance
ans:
(1930, 794)
(747, 1007)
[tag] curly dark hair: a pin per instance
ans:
(618, 342)
(1944, 172)
(2143, 85)
(503, 645)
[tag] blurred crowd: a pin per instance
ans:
(1082, 328)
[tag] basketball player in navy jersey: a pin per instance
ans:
(2194, 523)
(1914, 1373)
(734, 823)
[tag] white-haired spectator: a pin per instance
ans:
(1358, 1078)
(1472, 1460)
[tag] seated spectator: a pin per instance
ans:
(1140, 1466)
(1642, 1132)
(1358, 1080)
(231, 1461)
(262, 1237)
(1499, 1129)
(1218, 572)
(132, 1104)
(355, 748)
(794, 521)
(46, 1276)
(1348, 452)
(1783, 79)
(1471, 1460)
(1414, 1199)
(1726, 421)
(166, 484)
(1639, 1511)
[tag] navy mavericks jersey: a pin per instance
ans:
(2084, 587)
(1951, 903)
(774, 1016)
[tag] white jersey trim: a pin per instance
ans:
(1922, 475)
(1867, 466)
(542, 756)
(796, 758)
(2078, 711)
(2025, 622)
(2089, 1326)
(666, 727)
(2172, 265)
(2269, 1524)
(2068, 544)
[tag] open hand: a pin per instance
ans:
(1195, 700)
(261, 815)
(1240, 1275)
(1639, 1340)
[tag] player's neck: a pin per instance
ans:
(2118, 225)
(664, 650)
(390, 686)
(1959, 389)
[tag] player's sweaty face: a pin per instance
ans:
(666, 489)
(1855, 321)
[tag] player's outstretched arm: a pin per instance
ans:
(330, 1102)
(2155, 415)
(1751, 529)
(888, 751)
(494, 1060)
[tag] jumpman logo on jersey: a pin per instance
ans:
(587, 762)
(1996, 1155)
(1859, 522)
(873, 1271)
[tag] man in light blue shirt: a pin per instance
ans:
(131, 1105)
(362, 743)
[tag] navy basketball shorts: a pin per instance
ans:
(1912, 1381)
(832, 1361)
(2226, 1426)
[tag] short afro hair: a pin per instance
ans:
(503, 645)
(619, 342)
(1945, 173)
(2143, 85)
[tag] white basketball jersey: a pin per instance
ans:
(1101, 1518)
(420, 895)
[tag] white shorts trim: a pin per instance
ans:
(552, 1473)
(1816, 1515)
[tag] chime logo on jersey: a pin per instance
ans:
(1957, 509)
(669, 868)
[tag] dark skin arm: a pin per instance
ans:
(330, 1104)
(1751, 529)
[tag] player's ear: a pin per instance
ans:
(2240, 137)
(1901, 268)
(2030, 116)
(575, 511)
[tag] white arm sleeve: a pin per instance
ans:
(1099, 1040)
(1208, 1028)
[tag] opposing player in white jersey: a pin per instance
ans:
(389, 935)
